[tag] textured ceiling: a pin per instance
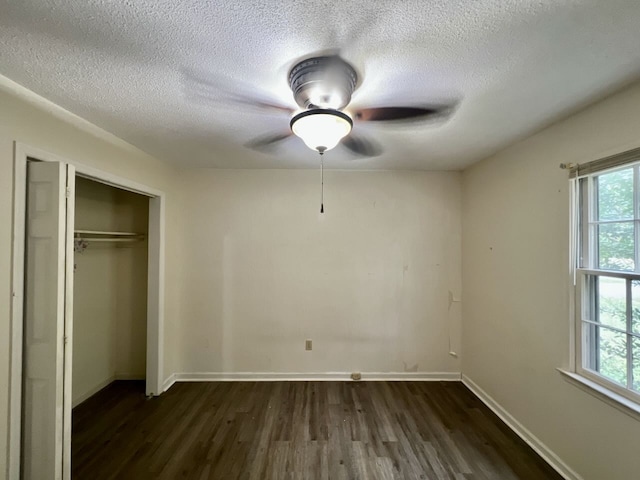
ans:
(169, 76)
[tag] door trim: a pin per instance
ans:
(68, 323)
(155, 287)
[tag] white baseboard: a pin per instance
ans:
(129, 376)
(290, 376)
(96, 388)
(534, 442)
(92, 391)
(168, 383)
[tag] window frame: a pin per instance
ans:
(584, 256)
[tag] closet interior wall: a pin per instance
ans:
(110, 290)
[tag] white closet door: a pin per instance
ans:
(44, 321)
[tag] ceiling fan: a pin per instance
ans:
(322, 87)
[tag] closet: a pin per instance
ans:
(87, 301)
(110, 287)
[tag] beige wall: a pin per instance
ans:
(368, 281)
(516, 288)
(132, 215)
(110, 290)
(38, 127)
(253, 270)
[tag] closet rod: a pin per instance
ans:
(98, 232)
(92, 240)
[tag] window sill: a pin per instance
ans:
(623, 404)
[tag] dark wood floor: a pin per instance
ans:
(297, 430)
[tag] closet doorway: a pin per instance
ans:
(109, 287)
(92, 242)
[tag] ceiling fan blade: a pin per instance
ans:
(362, 146)
(261, 104)
(267, 142)
(206, 86)
(386, 114)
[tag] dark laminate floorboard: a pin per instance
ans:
(297, 430)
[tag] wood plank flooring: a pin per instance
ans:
(297, 430)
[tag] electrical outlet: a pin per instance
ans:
(356, 376)
(308, 345)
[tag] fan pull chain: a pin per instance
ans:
(321, 185)
(321, 151)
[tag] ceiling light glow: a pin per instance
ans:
(321, 128)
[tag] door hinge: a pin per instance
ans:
(67, 192)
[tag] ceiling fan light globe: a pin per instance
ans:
(321, 129)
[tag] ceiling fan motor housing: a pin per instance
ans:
(323, 82)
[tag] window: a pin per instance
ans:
(607, 210)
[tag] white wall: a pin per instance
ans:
(368, 281)
(110, 290)
(46, 127)
(516, 288)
